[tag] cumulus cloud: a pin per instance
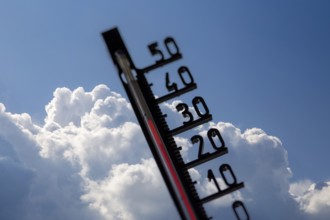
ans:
(314, 201)
(30, 186)
(89, 160)
(130, 192)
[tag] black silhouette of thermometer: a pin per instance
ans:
(161, 138)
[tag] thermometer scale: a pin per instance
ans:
(161, 139)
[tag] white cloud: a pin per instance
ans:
(314, 200)
(89, 160)
(300, 187)
(31, 187)
(130, 192)
(71, 106)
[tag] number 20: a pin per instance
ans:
(212, 133)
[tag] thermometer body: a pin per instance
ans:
(154, 133)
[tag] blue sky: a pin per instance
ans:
(261, 64)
